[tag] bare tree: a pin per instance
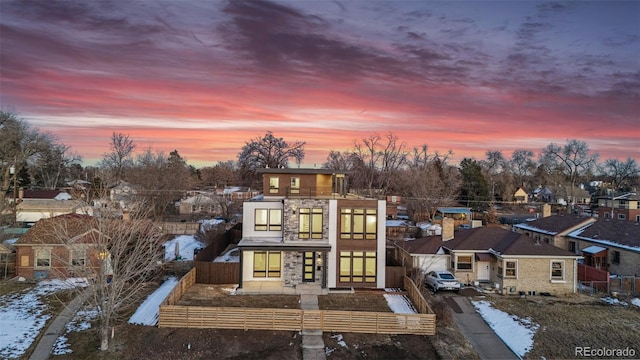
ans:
(222, 174)
(52, 165)
(268, 152)
(572, 160)
(620, 173)
(118, 257)
(19, 143)
(521, 164)
(381, 159)
(120, 155)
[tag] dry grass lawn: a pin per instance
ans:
(580, 321)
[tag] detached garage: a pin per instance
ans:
(424, 253)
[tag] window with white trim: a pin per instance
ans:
(557, 270)
(78, 256)
(42, 258)
(464, 262)
(510, 269)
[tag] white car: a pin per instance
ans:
(441, 280)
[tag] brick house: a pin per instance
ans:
(508, 261)
(553, 229)
(622, 207)
(58, 247)
(611, 245)
(307, 231)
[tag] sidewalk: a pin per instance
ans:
(312, 342)
(480, 335)
(57, 327)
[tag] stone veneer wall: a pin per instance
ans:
(292, 269)
(290, 225)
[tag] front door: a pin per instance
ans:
(483, 270)
(308, 267)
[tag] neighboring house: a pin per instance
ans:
(199, 203)
(553, 229)
(400, 229)
(60, 246)
(237, 193)
(428, 229)
(543, 194)
(508, 261)
(425, 253)
(393, 201)
(30, 210)
(460, 215)
(307, 231)
(520, 196)
(621, 207)
(611, 245)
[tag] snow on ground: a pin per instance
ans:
(400, 304)
(515, 332)
(232, 255)
(23, 315)
(613, 301)
(147, 312)
(81, 321)
(186, 243)
(208, 224)
(635, 301)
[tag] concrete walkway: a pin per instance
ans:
(312, 342)
(57, 327)
(475, 329)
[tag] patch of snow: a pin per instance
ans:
(228, 257)
(147, 312)
(61, 346)
(63, 196)
(230, 291)
(23, 315)
(81, 321)
(187, 244)
(339, 340)
(208, 224)
(515, 332)
(400, 304)
(613, 301)
(636, 302)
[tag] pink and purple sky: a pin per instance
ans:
(203, 77)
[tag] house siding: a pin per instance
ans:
(534, 274)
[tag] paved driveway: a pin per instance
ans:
(475, 329)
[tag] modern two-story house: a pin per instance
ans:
(308, 231)
(621, 207)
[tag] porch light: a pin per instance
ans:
(102, 255)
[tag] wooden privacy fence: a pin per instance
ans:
(186, 282)
(416, 297)
(217, 272)
(393, 276)
(296, 320)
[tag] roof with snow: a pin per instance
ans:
(454, 210)
(555, 224)
(397, 223)
(617, 233)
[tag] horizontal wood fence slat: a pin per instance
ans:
(295, 320)
(179, 316)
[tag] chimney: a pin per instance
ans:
(21, 193)
(546, 210)
(447, 228)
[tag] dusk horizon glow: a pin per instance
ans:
(205, 77)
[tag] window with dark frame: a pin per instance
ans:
(357, 267)
(358, 224)
(274, 185)
(295, 185)
(268, 220)
(616, 257)
(267, 264)
(310, 223)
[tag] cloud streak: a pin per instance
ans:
(204, 77)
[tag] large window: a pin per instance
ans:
(274, 185)
(464, 263)
(295, 185)
(357, 267)
(266, 264)
(557, 270)
(358, 224)
(42, 258)
(268, 219)
(310, 223)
